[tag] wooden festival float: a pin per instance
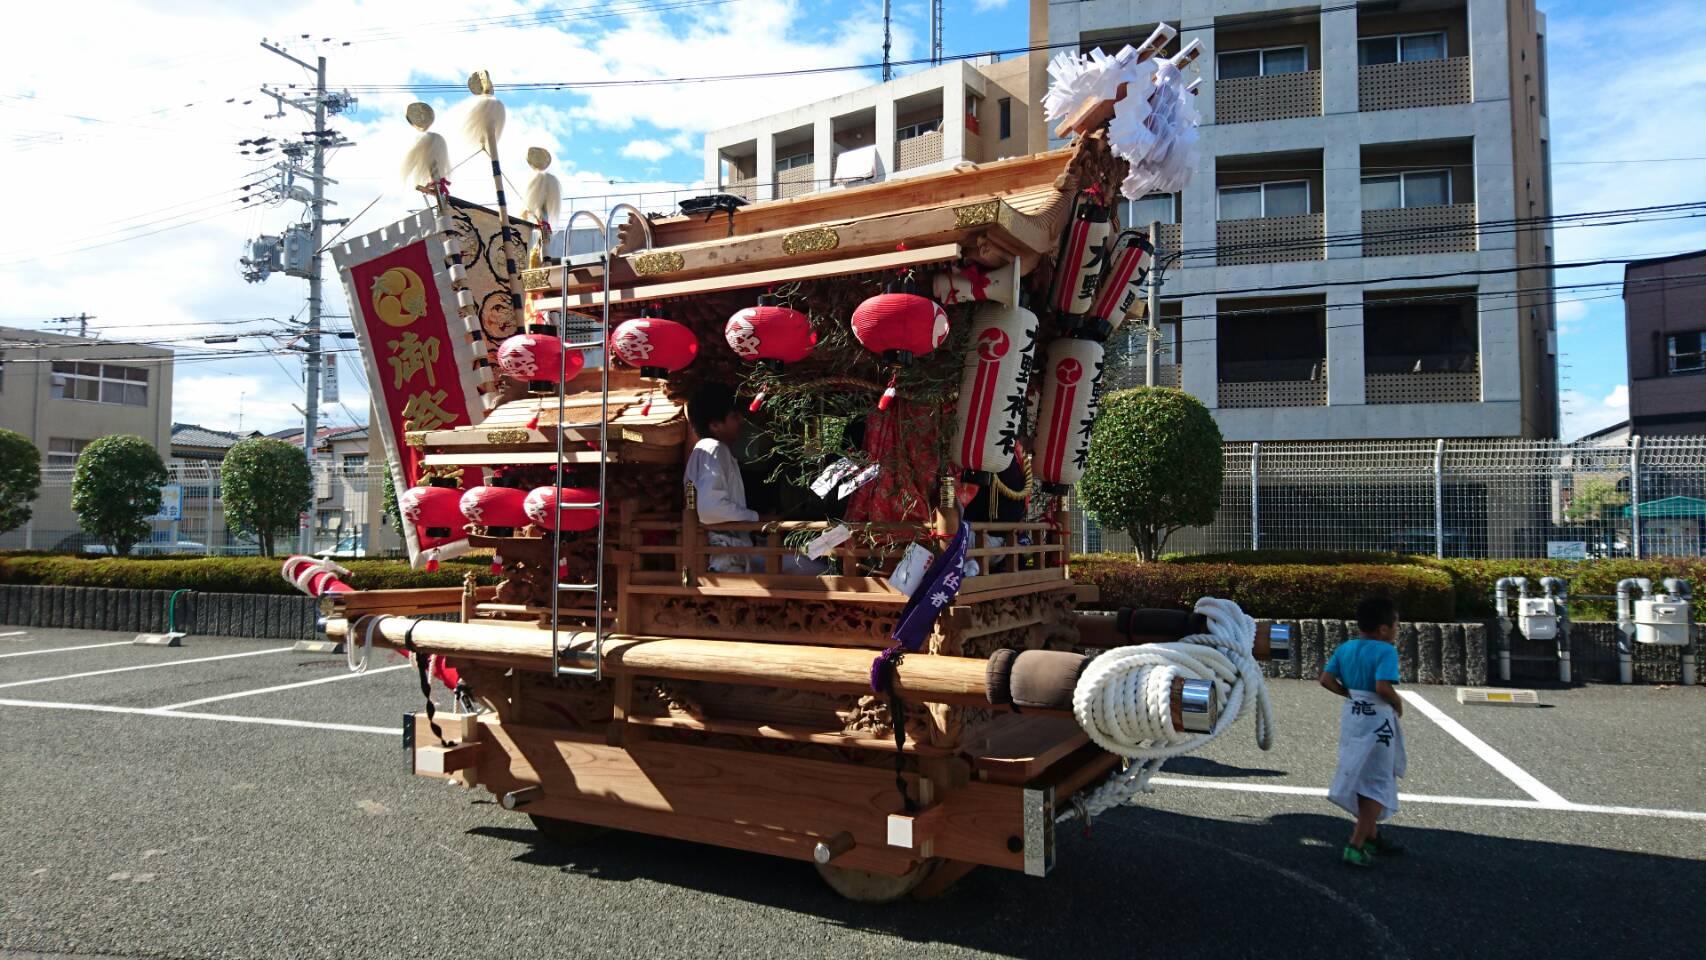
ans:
(802, 703)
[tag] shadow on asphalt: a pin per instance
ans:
(1204, 767)
(1153, 883)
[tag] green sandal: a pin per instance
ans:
(1357, 857)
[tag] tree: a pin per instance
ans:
(1154, 467)
(1595, 500)
(20, 479)
(391, 511)
(266, 485)
(116, 489)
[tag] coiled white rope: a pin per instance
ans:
(1123, 699)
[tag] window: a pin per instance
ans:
(1005, 106)
(1263, 63)
(1401, 48)
(918, 129)
(62, 452)
(1282, 345)
(1412, 188)
(1419, 337)
(1687, 352)
(1283, 198)
(1154, 208)
(100, 383)
(796, 160)
(355, 464)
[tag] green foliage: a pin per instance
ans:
(392, 511)
(20, 479)
(266, 484)
(1596, 500)
(117, 488)
(1155, 465)
(221, 574)
(1472, 580)
(1291, 591)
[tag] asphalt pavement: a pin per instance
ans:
(252, 822)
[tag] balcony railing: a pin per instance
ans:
(1413, 230)
(1269, 240)
(917, 151)
(1279, 96)
(1168, 237)
(1419, 83)
(1275, 393)
(746, 189)
(796, 180)
(1432, 386)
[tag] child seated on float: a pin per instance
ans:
(714, 472)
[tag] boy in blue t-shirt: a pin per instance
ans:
(1371, 742)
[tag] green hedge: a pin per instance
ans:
(1291, 591)
(1473, 580)
(218, 574)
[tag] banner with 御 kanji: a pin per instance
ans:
(424, 363)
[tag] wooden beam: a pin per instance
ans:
(939, 253)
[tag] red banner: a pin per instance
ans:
(413, 349)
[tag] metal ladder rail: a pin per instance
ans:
(581, 667)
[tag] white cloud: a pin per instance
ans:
(1570, 314)
(147, 144)
(647, 150)
(984, 6)
(1583, 414)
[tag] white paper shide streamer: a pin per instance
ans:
(1154, 127)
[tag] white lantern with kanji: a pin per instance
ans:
(992, 386)
(1072, 388)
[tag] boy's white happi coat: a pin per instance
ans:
(1371, 754)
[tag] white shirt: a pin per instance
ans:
(715, 475)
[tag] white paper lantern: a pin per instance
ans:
(1072, 388)
(992, 387)
(1082, 257)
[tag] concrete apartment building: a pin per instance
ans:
(1345, 151)
(349, 499)
(63, 392)
(975, 110)
(1664, 316)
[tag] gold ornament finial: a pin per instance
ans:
(480, 83)
(538, 158)
(420, 116)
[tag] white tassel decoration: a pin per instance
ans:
(428, 161)
(483, 123)
(543, 196)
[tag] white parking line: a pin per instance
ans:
(86, 646)
(1562, 806)
(1498, 761)
(15, 633)
(283, 686)
(145, 666)
(396, 731)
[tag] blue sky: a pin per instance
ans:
(129, 174)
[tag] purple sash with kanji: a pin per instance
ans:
(940, 584)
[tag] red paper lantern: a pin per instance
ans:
(770, 333)
(534, 358)
(495, 507)
(542, 508)
(438, 509)
(900, 325)
(658, 346)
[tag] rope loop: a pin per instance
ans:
(1123, 700)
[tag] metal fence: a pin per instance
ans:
(346, 511)
(1452, 498)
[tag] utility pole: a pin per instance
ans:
(81, 319)
(317, 105)
(1154, 303)
(888, 71)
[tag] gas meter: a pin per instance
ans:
(1662, 621)
(1537, 617)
